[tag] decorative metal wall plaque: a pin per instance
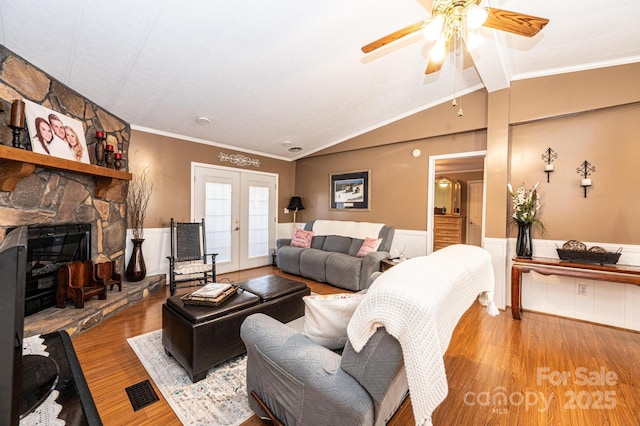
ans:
(239, 160)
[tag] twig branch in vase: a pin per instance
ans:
(140, 190)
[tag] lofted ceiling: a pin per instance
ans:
(271, 75)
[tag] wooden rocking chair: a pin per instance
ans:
(188, 260)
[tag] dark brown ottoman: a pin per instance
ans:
(200, 337)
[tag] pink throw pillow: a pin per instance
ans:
(369, 246)
(301, 238)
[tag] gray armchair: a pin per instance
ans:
(300, 382)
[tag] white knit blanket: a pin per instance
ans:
(347, 228)
(420, 302)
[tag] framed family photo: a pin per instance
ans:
(55, 134)
(350, 190)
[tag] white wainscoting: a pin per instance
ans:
(413, 243)
(605, 303)
(498, 249)
(285, 230)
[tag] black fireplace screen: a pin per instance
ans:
(48, 248)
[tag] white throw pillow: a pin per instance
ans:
(326, 317)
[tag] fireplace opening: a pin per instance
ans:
(48, 248)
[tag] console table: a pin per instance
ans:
(623, 274)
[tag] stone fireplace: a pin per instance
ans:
(53, 195)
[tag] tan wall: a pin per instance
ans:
(546, 113)
(169, 162)
(497, 164)
(608, 139)
(398, 180)
(569, 93)
(593, 116)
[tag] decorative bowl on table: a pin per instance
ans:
(577, 252)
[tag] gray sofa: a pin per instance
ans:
(332, 258)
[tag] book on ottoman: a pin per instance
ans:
(210, 295)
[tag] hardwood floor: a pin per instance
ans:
(542, 370)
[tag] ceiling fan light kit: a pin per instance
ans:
(433, 29)
(476, 16)
(457, 21)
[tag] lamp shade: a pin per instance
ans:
(295, 204)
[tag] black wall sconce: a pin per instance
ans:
(548, 157)
(585, 170)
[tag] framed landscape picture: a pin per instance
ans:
(55, 134)
(350, 190)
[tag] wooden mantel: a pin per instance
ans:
(16, 164)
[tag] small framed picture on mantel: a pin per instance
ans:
(350, 190)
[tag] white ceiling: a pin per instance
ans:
(267, 72)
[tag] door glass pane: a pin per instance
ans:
(218, 219)
(258, 221)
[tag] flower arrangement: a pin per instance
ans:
(526, 205)
(137, 201)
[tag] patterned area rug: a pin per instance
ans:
(219, 399)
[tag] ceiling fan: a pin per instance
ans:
(458, 20)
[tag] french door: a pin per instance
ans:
(239, 209)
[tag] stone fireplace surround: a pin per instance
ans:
(53, 195)
(60, 197)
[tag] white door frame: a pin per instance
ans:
(194, 165)
(432, 182)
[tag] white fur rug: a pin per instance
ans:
(219, 399)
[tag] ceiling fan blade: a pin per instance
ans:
(434, 66)
(513, 22)
(394, 36)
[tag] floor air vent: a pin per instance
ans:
(141, 394)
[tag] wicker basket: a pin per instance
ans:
(584, 256)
